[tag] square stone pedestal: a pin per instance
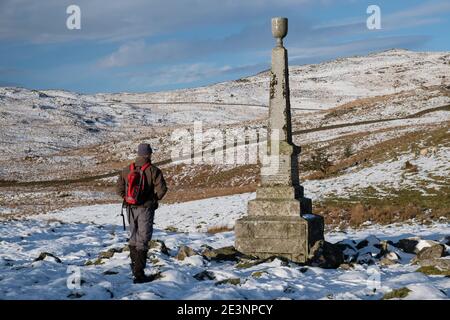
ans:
(290, 237)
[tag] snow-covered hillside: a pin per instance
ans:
(87, 244)
(38, 122)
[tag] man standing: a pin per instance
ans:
(141, 185)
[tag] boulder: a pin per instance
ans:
(434, 252)
(440, 266)
(185, 252)
(325, 255)
(221, 254)
(407, 245)
(349, 250)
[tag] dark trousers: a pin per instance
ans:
(141, 226)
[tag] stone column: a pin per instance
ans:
(280, 220)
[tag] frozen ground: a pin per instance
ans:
(77, 235)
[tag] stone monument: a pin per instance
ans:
(280, 220)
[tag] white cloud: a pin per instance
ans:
(178, 74)
(105, 20)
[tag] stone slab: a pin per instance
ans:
(288, 237)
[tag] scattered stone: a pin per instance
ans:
(233, 281)
(369, 241)
(325, 255)
(205, 275)
(221, 254)
(362, 244)
(434, 252)
(303, 269)
(44, 255)
(185, 252)
(397, 293)
(425, 244)
(110, 272)
(159, 245)
(407, 245)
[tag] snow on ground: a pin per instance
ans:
(385, 175)
(186, 216)
(199, 215)
(84, 232)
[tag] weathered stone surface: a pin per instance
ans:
(282, 207)
(279, 192)
(280, 220)
(434, 252)
(325, 255)
(269, 236)
(268, 227)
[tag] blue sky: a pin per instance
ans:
(153, 45)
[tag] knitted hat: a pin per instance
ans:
(144, 149)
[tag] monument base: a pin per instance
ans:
(290, 237)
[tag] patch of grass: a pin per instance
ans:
(218, 229)
(385, 206)
(433, 271)
(397, 293)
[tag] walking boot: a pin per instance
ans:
(141, 261)
(134, 259)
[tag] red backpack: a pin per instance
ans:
(135, 184)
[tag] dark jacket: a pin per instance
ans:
(155, 187)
